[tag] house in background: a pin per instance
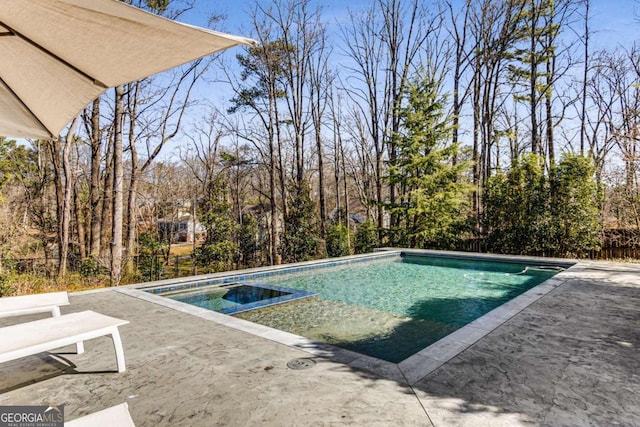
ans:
(182, 228)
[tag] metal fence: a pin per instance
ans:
(619, 245)
(147, 267)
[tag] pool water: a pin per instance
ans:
(236, 297)
(392, 308)
(221, 298)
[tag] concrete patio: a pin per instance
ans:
(572, 357)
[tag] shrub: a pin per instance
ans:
(338, 240)
(6, 289)
(366, 238)
(528, 213)
(300, 240)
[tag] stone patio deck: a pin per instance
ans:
(570, 358)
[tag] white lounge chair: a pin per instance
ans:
(35, 337)
(116, 416)
(37, 303)
(31, 304)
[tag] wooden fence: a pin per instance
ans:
(617, 245)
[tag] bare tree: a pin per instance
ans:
(91, 120)
(585, 76)
(155, 118)
(339, 158)
(259, 92)
(493, 30)
(384, 44)
(300, 32)
(320, 82)
(462, 57)
(118, 189)
(64, 182)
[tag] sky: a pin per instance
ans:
(237, 12)
(613, 23)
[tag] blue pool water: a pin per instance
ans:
(391, 308)
(236, 297)
(452, 291)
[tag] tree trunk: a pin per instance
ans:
(107, 200)
(55, 147)
(132, 226)
(380, 208)
(318, 95)
(94, 191)
(585, 76)
(118, 176)
(549, 114)
(80, 223)
(460, 41)
(129, 249)
(550, 63)
(321, 193)
(69, 183)
(273, 119)
(280, 166)
(476, 139)
(533, 78)
(336, 174)
(347, 213)
(275, 253)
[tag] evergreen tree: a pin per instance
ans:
(516, 217)
(15, 161)
(524, 216)
(338, 237)
(433, 198)
(576, 208)
(366, 238)
(534, 65)
(215, 211)
(300, 241)
(151, 265)
(248, 243)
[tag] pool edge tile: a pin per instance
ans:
(416, 367)
(379, 367)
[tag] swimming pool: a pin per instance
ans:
(388, 307)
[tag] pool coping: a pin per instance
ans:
(412, 369)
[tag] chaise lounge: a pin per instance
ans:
(35, 337)
(32, 304)
(115, 416)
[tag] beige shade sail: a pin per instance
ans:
(57, 56)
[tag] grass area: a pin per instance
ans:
(25, 284)
(181, 249)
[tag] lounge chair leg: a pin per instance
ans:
(80, 347)
(117, 345)
(55, 311)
